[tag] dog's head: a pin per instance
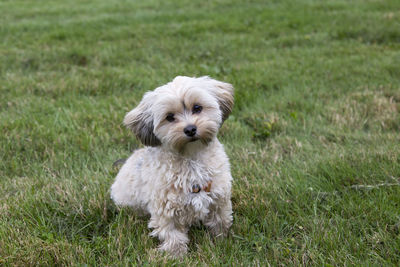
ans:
(182, 111)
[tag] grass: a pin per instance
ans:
(316, 115)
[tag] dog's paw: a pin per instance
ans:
(173, 250)
(219, 232)
(219, 229)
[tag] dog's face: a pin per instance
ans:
(183, 111)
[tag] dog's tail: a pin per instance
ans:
(118, 163)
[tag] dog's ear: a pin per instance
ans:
(140, 121)
(223, 92)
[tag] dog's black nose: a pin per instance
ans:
(190, 130)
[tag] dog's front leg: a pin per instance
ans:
(219, 220)
(173, 235)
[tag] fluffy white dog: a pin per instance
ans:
(182, 176)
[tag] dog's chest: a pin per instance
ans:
(188, 174)
(184, 178)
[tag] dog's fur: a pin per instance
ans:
(159, 178)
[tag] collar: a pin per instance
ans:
(196, 188)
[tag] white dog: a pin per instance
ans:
(182, 176)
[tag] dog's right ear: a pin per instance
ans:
(140, 121)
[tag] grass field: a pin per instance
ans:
(314, 139)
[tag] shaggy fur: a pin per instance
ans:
(159, 178)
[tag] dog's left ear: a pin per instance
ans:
(140, 120)
(223, 92)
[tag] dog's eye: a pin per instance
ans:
(170, 117)
(197, 109)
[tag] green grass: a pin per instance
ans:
(316, 113)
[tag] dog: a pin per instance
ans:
(182, 176)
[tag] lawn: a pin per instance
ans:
(314, 138)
